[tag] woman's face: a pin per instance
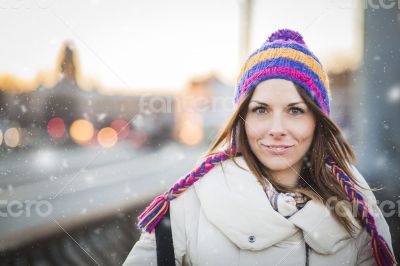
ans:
(279, 126)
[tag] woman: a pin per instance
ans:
(274, 185)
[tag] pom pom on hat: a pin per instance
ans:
(286, 35)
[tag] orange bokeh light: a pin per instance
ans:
(12, 137)
(107, 137)
(191, 132)
(81, 131)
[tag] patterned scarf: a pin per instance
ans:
(286, 204)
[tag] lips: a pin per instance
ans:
(277, 149)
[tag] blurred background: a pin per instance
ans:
(104, 104)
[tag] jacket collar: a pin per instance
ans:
(233, 201)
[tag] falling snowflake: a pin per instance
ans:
(23, 108)
(100, 117)
(381, 161)
(393, 94)
(377, 58)
(385, 125)
(137, 120)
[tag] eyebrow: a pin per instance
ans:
(265, 104)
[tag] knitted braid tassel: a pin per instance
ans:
(153, 214)
(380, 249)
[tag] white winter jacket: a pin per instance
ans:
(226, 219)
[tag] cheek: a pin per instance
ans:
(253, 129)
(304, 131)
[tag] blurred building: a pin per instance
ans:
(45, 114)
(203, 109)
(342, 94)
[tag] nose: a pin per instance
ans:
(277, 128)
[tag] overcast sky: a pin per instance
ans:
(161, 44)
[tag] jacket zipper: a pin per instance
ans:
(307, 248)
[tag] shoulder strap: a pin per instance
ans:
(165, 245)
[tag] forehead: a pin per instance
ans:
(276, 91)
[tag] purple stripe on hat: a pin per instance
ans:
(283, 61)
(287, 73)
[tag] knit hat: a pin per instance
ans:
(284, 55)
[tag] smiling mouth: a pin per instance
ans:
(277, 149)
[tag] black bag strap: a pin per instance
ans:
(165, 245)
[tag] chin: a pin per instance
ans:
(278, 163)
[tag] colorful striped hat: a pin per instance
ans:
(284, 56)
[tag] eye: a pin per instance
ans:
(296, 111)
(259, 110)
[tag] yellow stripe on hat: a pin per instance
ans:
(293, 54)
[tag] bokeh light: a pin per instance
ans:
(192, 130)
(107, 137)
(56, 127)
(12, 137)
(121, 127)
(139, 138)
(81, 131)
(1, 137)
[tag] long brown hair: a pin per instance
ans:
(316, 182)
